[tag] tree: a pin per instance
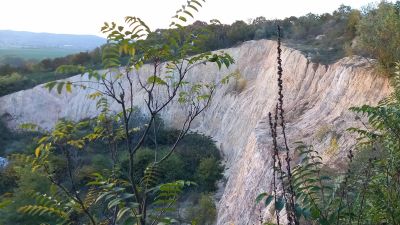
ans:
(95, 56)
(123, 195)
(342, 12)
(82, 58)
(259, 21)
(352, 23)
(378, 26)
(208, 172)
(239, 31)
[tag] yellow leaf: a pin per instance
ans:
(68, 87)
(38, 150)
(132, 51)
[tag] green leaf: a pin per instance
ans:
(193, 7)
(198, 3)
(279, 204)
(156, 80)
(182, 18)
(114, 203)
(306, 213)
(43, 139)
(187, 12)
(298, 211)
(5, 203)
(122, 212)
(60, 87)
(50, 85)
(219, 64)
(260, 197)
(127, 195)
(314, 212)
(268, 200)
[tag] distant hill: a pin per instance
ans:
(23, 39)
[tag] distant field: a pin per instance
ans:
(36, 53)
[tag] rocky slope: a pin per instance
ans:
(317, 99)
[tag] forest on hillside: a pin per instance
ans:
(128, 167)
(322, 38)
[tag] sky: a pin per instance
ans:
(87, 16)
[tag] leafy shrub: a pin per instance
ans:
(381, 25)
(170, 170)
(8, 179)
(204, 212)
(27, 183)
(12, 82)
(238, 84)
(195, 147)
(11, 79)
(193, 165)
(209, 171)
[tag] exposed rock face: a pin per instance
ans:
(317, 99)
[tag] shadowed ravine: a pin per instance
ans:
(317, 98)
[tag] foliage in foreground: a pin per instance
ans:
(367, 193)
(129, 191)
(18, 184)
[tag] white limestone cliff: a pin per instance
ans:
(317, 99)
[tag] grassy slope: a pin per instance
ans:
(36, 53)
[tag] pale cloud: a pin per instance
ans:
(87, 16)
